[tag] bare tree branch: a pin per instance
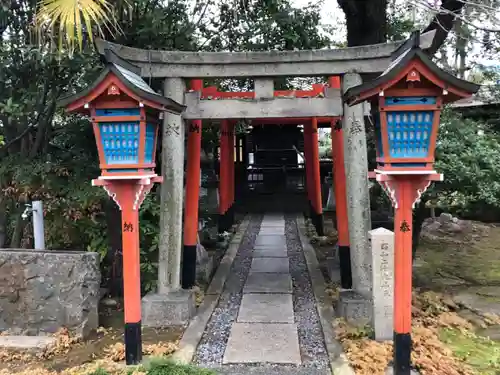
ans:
(455, 15)
(443, 22)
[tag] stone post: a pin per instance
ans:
(356, 305)
(172, 165)
(330, 203)
(170, 305)
(358, 198)
(382, 248)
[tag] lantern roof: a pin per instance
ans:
(409, 59)
(126, 77)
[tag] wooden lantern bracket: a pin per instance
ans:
(123, 191)
(392, 185)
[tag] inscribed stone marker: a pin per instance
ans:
(382, 248)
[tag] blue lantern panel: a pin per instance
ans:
(150, 143)
(409, 133)
(120, 142)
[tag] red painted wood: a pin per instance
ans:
(99, 93)
(212, 93)
(307, 161)
(193, 177)
(316, 176)
(340, 185)
(291, 121)
(403, 223)
(224, 168)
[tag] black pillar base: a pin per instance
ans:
(402, 353)
(133, 343)
(222, 222)
(230, 214)
(318, 224)
(188, 275)
(311, 211)
(345, 267)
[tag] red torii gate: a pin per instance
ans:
(226, 182)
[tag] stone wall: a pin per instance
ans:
(42, 291)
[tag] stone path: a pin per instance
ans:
(266, 321)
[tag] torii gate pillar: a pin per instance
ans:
(358, 194)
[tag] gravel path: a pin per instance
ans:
(210, 351)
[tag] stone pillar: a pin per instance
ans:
(172, 165)
(170, 305)
(358, 198)
(330, 202)
(382, 249)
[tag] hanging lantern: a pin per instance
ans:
(125, 114)
(407, 100)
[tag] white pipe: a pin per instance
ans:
(38, 226)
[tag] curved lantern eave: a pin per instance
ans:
(125, 114)
(406, 102)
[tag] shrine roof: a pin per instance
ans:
(128, 75)
(401, 58)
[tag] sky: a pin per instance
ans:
(332, 14)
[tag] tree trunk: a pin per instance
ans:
(366, 21)
(443, 22)
(17, 234)
(3, 222)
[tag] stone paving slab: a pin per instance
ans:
(26, 342)
(271, 224)
(270, 252)
(273, 369)
(266, 308)
(270, 241)
(268, 283)
(260, 342)
(272, 231)
(273, 265)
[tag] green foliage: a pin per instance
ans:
(99, 371)
(149, 218)
(399, 21)
(481, 353)
(468, 154)
(47, 155)
(162, 366)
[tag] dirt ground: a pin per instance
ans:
(456, 310)
(105, 345)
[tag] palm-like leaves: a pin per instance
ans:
(70, 20)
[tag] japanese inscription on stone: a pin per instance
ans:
(382, 242)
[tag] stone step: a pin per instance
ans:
(266, 308)
(270, 241)
(269, 252)
(273, 265)
(263, 343)
(268, 283)
(272, 231)
(31, 343)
